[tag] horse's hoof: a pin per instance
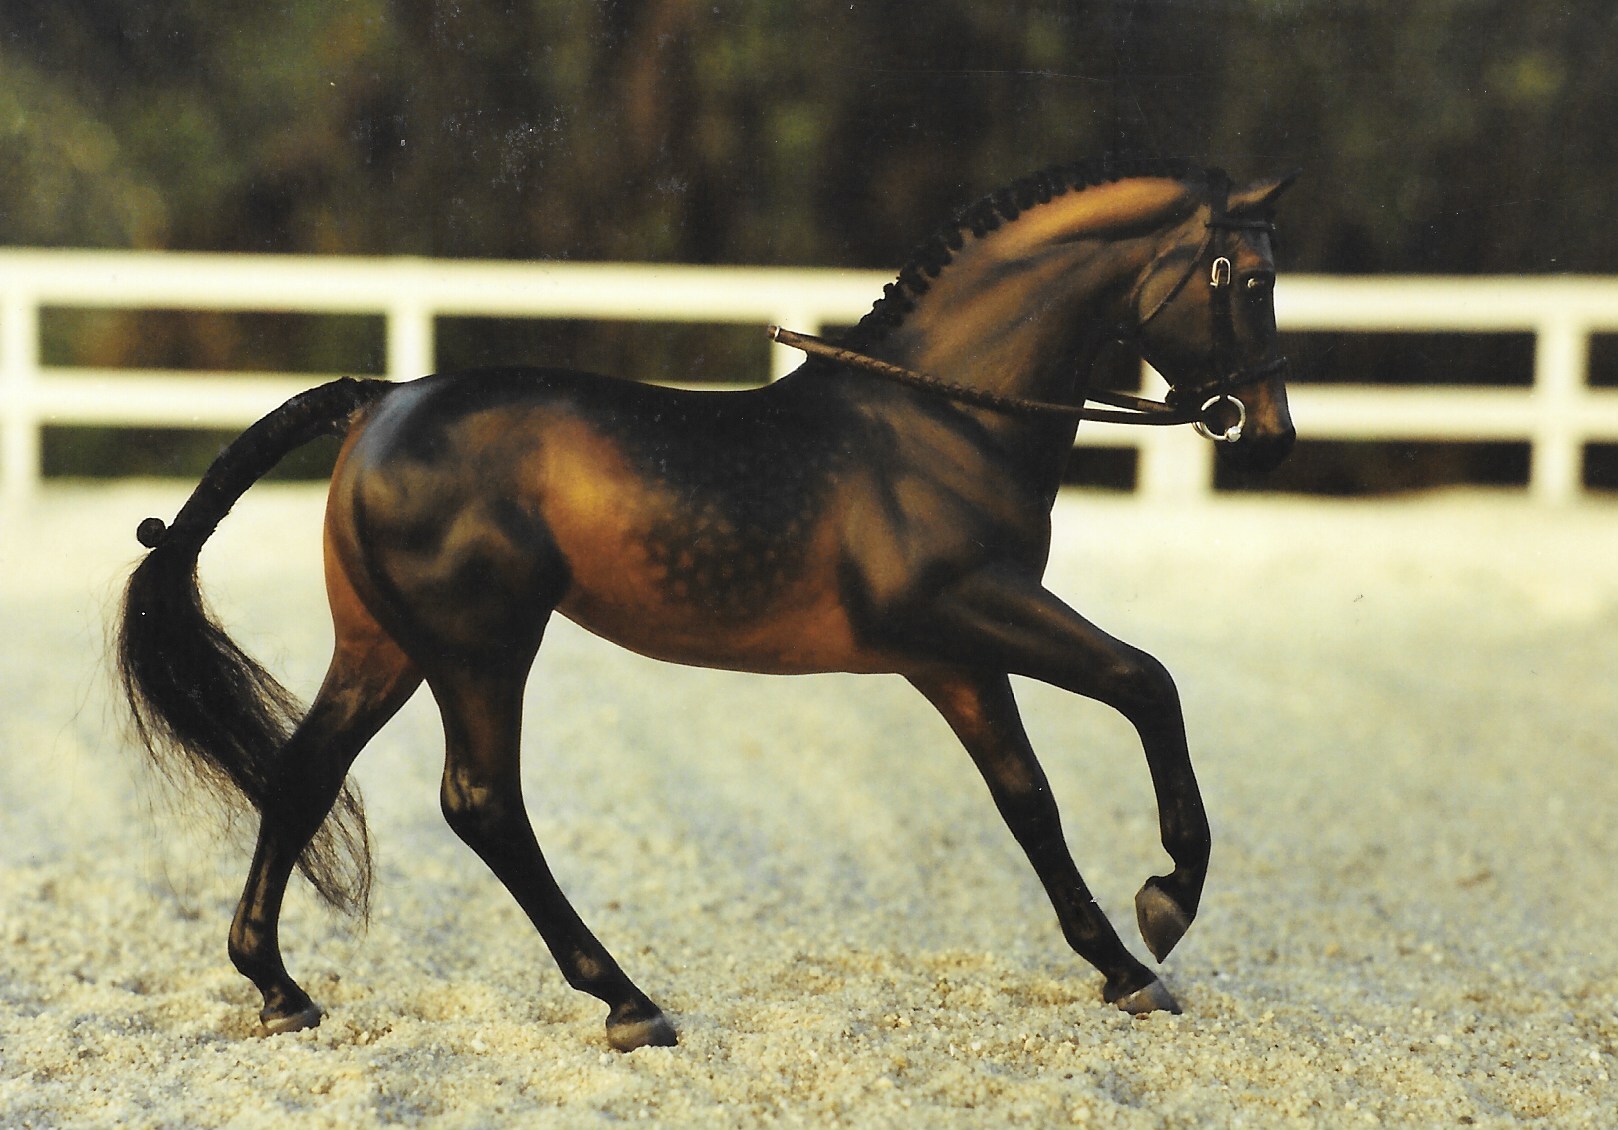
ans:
(1163, 922)
(630, 1032)
(275, 1024)
(1153, 998)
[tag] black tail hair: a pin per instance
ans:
(202, 707)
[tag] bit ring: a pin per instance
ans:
(1230, 434)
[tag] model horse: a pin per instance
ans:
(884, 508)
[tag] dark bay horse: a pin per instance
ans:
(836, 520)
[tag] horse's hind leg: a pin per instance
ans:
(368, 680)
(483, 802)
(980, 709)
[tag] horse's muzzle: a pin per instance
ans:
(1259, 451)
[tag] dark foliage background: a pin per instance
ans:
(1451, 136)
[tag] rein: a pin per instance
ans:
(1125, 409)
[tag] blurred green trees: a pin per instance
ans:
(1453, 135)
(1445, 136)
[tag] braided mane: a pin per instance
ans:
(990, 213)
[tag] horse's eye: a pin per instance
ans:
(1259, 282)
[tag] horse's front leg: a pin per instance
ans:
(1004, 619)
(980, 709)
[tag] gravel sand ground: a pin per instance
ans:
(1404, 715)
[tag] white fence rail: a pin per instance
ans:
(1557, 415)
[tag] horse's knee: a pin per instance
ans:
(1023, 796)
(1141, 688)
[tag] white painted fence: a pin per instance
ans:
(1557, 416)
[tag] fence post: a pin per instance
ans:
(783, 358)
(20, 445)
(1173, 466)
(411, 346)
(1561, 356)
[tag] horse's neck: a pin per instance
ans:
(1031, 334)
(1030, 331)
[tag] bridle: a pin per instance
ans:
(1175, 408)
(1229, 374)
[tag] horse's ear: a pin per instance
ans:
(1259, 198)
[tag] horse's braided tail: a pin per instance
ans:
(201, 706)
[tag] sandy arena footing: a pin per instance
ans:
(1403, 714)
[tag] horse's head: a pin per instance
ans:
(1204, 317)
